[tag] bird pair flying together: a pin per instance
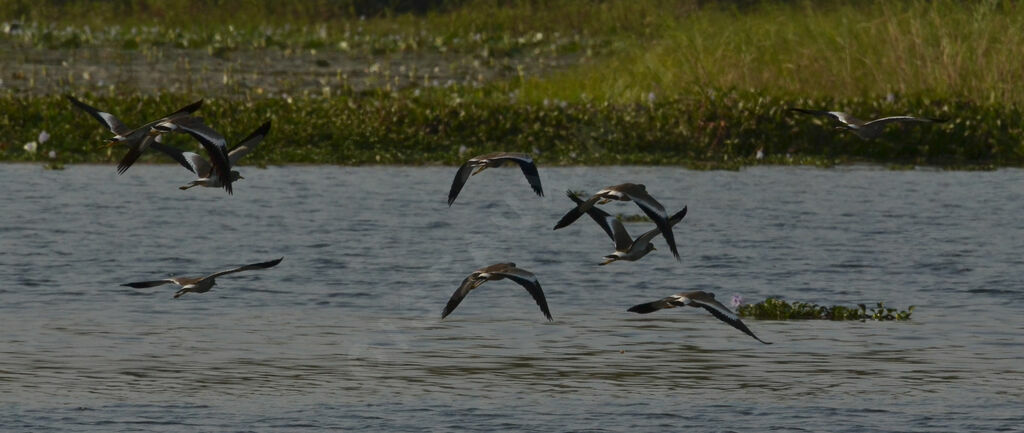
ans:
(216, 171)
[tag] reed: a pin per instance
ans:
(938, 49)
(656, 81)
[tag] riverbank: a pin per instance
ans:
(717, 130)
(648, 82)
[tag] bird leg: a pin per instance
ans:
(479, 168)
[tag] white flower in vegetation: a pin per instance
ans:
(43, 137)
(31, 147)
(737, 300)
(52, 154)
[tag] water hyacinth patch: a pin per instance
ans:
(737, 301)
(397, 128)
(777, 309)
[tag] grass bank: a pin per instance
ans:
(662, 82)
(445, 126)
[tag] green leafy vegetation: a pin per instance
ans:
(446, 126)
(618, 82)
(777, 309)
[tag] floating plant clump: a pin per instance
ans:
(777, 309)
(635, 218)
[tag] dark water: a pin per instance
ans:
(345, 333)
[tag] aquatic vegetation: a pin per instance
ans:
(736, 301)
(432, 126)
(777, 309)
(704, 86)
(634, 218)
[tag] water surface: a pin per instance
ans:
(346, 333)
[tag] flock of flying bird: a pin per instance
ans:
(217, 172)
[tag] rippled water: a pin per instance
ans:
(346, 333)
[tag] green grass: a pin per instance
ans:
(448, 125)
(479, 27)
(657, 82)
(939, 49)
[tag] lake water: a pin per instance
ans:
(346, 333)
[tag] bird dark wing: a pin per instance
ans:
(656, 211)
(144, 284)
(175, 154)
(650, 307)
(467, 284)
(134, 152)
(106, 119)
(620, 236)
(254, 266)
(599, 216)
(530, 171)
(215, 145)
(181, 113)
(248, 144)
(460, 180)
(908, 119)
(530, 283)
(576, 212)
(646, 237)
(726, 315)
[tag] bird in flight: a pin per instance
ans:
(865, 130)
(636, 192)
(499, 271)
(201, 167)
(697, 299)
(137, 139)
(626, 248)
(497, 159)
(200, 284)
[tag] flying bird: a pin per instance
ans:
(201, 284)
(499, 271)
(635, 192)
(214, 143)
(497, 159)
(865, 130)
(206, 177)
(626, 248)
(697, 299)
(137, 139)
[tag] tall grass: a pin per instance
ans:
(329, 24)
(675, 82)
(936, 49)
